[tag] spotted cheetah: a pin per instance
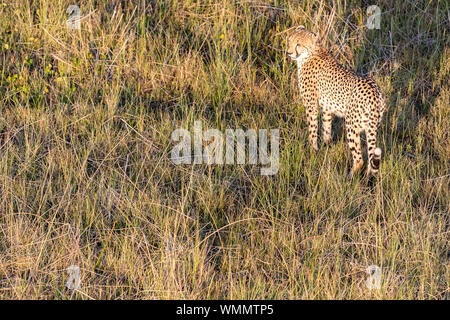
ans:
(324, 83)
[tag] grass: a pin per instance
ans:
(86, 118)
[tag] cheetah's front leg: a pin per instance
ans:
(312, 113)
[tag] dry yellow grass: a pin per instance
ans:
(86, 177)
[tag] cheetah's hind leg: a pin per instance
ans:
(327, 119)
(354, 143)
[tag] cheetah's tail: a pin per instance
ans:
(375, 161)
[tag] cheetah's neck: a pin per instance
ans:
(301, 59)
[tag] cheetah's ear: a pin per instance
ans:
(316, 37)
(302, 27)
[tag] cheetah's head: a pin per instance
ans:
(301, 43)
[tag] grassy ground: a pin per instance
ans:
(86, 118)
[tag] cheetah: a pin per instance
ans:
(327, 85)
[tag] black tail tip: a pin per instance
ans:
(376, 159)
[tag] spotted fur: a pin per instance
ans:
(327, 85)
